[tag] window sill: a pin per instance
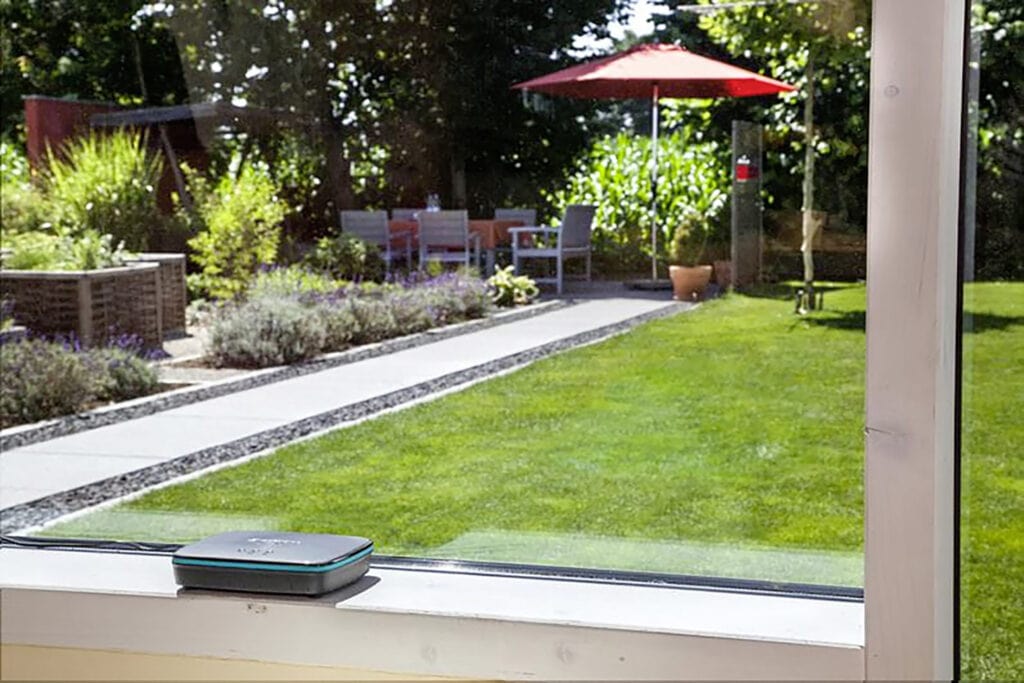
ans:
(431, 623)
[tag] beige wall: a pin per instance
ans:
(23, 662)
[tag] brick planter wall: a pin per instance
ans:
(173, 295)
(93, 304)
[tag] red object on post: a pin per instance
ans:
(745, 170)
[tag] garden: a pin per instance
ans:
(679, 456)
(725, 441)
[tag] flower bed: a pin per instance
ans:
(279, 325)
(44, 379)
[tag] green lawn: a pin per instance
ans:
(993, 476)
(725, 441)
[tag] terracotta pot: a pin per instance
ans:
(688, 283)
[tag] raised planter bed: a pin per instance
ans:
(92, 304)
(173, 294)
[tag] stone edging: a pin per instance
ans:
(40, 511)
(26, 435)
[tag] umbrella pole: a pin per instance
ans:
(654, 184)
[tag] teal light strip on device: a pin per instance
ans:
(232, 564)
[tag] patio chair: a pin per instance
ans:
(445, 236)
(527, 216)
(571, 240)
(404, 214)
(372, 228)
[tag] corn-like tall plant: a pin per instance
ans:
(615, 176)
(106, 184)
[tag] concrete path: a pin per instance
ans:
(67, 462)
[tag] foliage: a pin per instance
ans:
(266, 331)
(42, 380)
(106, 184)
(37, 250)
(33, 250)
(291, 281)
(21, 204)
(241, 227)
(47, 379)
(414, 98)
(999, 31)
(6, 314)
(122, 373)
(289, 316)
(509, 289)
(84, 49)
(821, 46)
(693, 187)
(346, 257)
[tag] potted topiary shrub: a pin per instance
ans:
(686, 253)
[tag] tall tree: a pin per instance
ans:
(84, 49)
(822, 48)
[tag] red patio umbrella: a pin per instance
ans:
(654, 70)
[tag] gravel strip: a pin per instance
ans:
(46, 509)
(27, 435)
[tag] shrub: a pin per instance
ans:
(36, 250)
(346, 257)
(374, 319)
(293, 280)
(42, 380)
(266, 331)
(241, 228)
(508, 289)
(340, 324)
(21, 208)
(46, 379)
(106, 185)
(693, 188)
(121, 369)
(457, 296)
(33, 250)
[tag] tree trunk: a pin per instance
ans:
(810, 224)
(458, 172)
(339, 175)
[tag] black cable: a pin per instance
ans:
(41, 543)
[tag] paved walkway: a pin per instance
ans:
(64, 463)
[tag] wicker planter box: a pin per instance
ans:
(92, 304)
(173, 295)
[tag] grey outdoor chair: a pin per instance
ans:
(527, 216)
(571, 240)
(404, 214)
(444, 236)
(372, 227)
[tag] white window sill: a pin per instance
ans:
(431, 623)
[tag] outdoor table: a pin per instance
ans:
(493, 233)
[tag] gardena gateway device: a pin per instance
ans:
(273, 562)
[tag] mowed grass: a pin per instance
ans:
(993, 482)
(738, 425)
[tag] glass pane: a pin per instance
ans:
(992, 431)
(604, 425)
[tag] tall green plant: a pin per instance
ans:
(241, 219)
(693, 188)
(21, 203)
(105, 184)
